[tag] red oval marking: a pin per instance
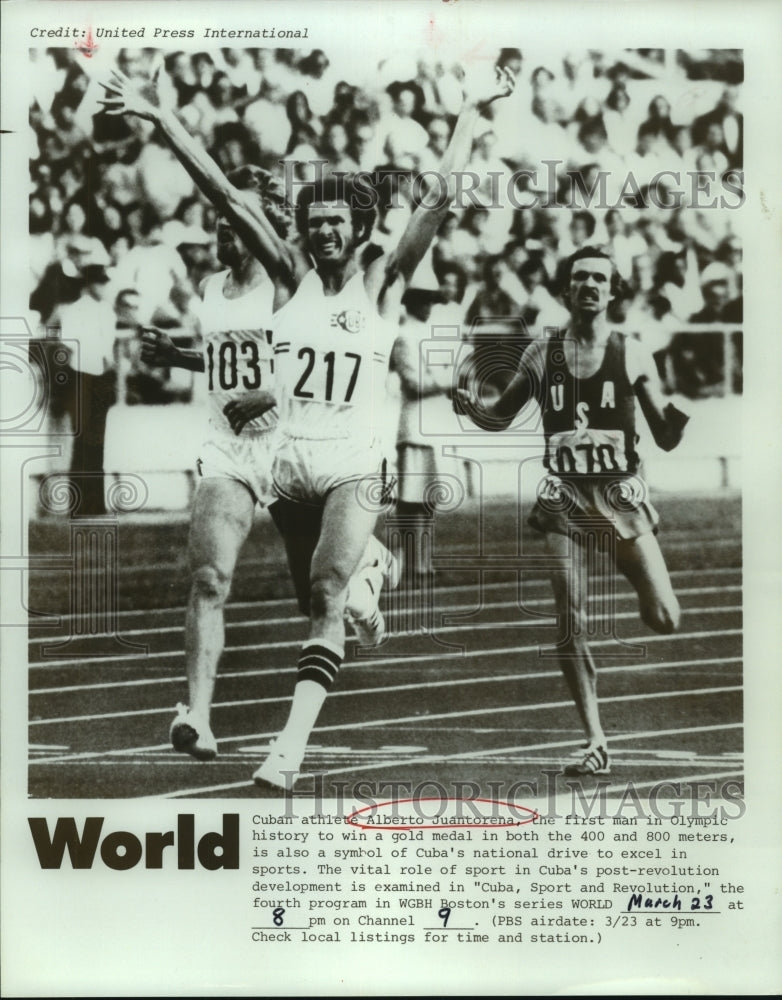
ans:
(88, 47)
(531, 816)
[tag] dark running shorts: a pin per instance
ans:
(621, 501)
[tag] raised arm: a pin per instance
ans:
(142, 98)
(426, 219)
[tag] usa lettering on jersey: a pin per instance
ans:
(589, 423)
(607, 401)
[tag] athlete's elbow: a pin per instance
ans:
(484, 419)
(498, 418)
(493, 424)
(500, 424)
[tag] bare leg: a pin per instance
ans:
(570, 585)
(345, 530)
(221, 520)
(300, 524)
(642, 563)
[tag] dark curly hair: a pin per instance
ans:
(355, 190)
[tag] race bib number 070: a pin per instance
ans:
(589, 452)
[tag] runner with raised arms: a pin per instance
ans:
(331, 474)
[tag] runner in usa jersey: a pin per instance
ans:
(592, 500)
(330, 349)
(589, 423)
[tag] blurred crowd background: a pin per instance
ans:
(120, 237)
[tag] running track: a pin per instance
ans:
(477, 703)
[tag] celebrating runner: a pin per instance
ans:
(333, 337)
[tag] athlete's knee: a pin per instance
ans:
(209, 584)
(327, 591)
(664, 616)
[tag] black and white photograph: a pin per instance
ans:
(385, 499)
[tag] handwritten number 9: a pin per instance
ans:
(444, 914)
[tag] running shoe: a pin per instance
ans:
(594, 761)
(361, 607)
(371, 629)
(391, 568)
(280, 770)
(376, 555)
(191, 734)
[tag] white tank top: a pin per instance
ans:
(238, 355)
(331, 362)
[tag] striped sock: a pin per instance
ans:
(320, 661)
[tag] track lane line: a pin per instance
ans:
(374, 723)
(446, 758)
(547, 622)
(271, 671)
(446, 609)
(279, 601)
(423, 686)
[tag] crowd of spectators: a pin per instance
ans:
(107, 195)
